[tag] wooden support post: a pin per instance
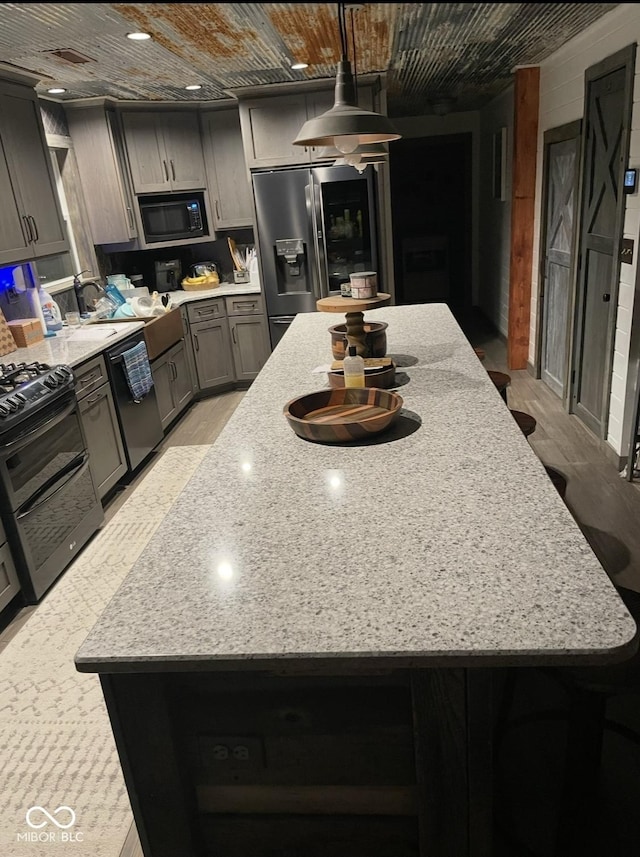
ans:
(525, 143)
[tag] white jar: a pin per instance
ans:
(364, 284)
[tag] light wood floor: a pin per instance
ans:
(604, 504)
(202, 424)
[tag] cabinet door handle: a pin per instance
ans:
(93, 399)
(166, 171)
(173, 170)
(27, 227)
(174, 371)
(130, 216)
(195, 341)
(217, 210)
(89, 379)
(35, 227)
(233, 334)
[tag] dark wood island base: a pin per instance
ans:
(389, 763)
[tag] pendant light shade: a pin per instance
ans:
(346, 120)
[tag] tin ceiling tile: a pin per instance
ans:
(464, 52)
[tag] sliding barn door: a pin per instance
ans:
(606, 144)
(560, 177)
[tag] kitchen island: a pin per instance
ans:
(302, 662)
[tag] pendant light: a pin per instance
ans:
(345, 126)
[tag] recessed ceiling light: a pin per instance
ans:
(56, 91)
(193, 86)
(138, 37)
(299, 65)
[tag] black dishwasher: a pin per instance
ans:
(139, 421)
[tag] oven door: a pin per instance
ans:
(53, 501)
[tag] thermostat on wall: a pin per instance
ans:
(630, 177)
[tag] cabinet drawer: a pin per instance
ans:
(204, 310)
(9, 584)
(90, 375)
(244, 305)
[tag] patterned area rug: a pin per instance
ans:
(57, 753)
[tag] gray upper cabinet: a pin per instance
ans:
(165, 151)
(270, 123)
(26, 176)
(97, 141)
(14, 240)
(227, 180)
(268, 127)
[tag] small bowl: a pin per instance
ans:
(342, 415)
(383, 376)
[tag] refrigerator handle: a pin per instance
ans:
(317, 225)
(314, 269)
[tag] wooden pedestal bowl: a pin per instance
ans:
(375, 334)
(338, 416)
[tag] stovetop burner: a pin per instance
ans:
(27, 388)
(12, 375)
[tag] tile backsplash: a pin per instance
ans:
(143, 261)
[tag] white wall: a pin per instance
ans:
(494, 214)
(562, 101)
(455, 123)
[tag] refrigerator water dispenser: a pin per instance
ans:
(291, 265)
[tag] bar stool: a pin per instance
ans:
(526, 422)
(480, 353)
(587, 690)
(501, 381)
(558, 479)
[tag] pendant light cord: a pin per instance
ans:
(343, 32)
(353, 51)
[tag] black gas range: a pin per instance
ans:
(27, 388)
(49, 504)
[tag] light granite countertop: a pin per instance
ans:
(446, 545)
(181, 297)
(70, 347)
(73, 350)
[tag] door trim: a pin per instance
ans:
(624, 58)
(559, 134)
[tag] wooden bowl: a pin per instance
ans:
(375, 335)
(383, 377)
(338, 416)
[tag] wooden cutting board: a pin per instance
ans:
(368, 361)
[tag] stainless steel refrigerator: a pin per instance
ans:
(315, 227)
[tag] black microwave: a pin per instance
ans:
(174, 217)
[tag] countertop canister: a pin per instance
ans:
(364, 284)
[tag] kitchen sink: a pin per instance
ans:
(160, 331)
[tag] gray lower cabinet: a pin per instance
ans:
(107, 459)
(249, 334)
(212, 353)
(9, 583)
(250, 345)
(172, 380)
